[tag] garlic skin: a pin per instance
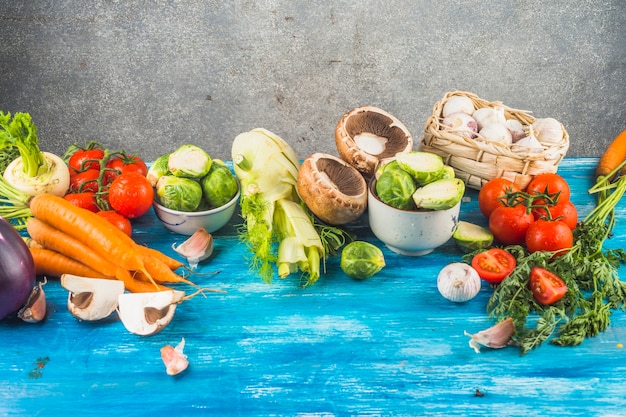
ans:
(462, 124)
(197, 248)
(496, 132)
(548, 130)
(35, 307)
(486, 116)
(456, 104)
(174, 359)
(495, 337)
(458, 282)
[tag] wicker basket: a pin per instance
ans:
(477, 160)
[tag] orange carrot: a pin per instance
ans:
(48, 262)
(161, 273)
(169, 261)
(133, 283)
(89, 228)
(58, 241)
(613, 156)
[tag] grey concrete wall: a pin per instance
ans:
(146, 75)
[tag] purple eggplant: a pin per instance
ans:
(17, 270)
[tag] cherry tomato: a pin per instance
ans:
(489, 194)
(86, 200)
(547, 287)
(510, 224)
(117, 220)
(550, 183)
(82, 160)
(565, 211)
(549, 235)
(122, 164)
(131, 195)
(85, 181)
(493, 265)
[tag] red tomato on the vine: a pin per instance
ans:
(84, 159)
(547, 287)
(85, 181)
(510, 224)
(122, 164)
(565, 211)
(117, 220)
(490, 193)
(131, 195)
(493, 265)
(549, 183)
(86, 200)
(549, 236)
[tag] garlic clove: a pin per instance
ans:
(197, 248)
(91, 299)
(495, 337)
(174, 359)
(148, 313)
(35, 307)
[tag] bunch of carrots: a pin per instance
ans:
(65, 238)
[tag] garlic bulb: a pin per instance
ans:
(489, 115)
(516, 128)
(458, 282)
(456, 104)
(461, 124)
(528, 145)
(496, 132)
(495, 337)
(196, 248)
(548, 130)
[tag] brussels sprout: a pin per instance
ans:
(175, 193)
(470, 237)
(448, 172)
(361, 260)
(219, 186)
(395, 187)
(158, 169)
(440, 195)
(189, 161)
(424, 167)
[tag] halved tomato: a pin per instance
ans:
(493, 265)
(547, 287)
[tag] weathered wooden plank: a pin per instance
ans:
(390, 345)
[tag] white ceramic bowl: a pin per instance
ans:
(411, 233)
(186, 223)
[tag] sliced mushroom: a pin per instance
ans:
(367, 134)
(91, 298)
(150, 312)
(332, 189)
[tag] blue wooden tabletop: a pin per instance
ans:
(390, 345)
